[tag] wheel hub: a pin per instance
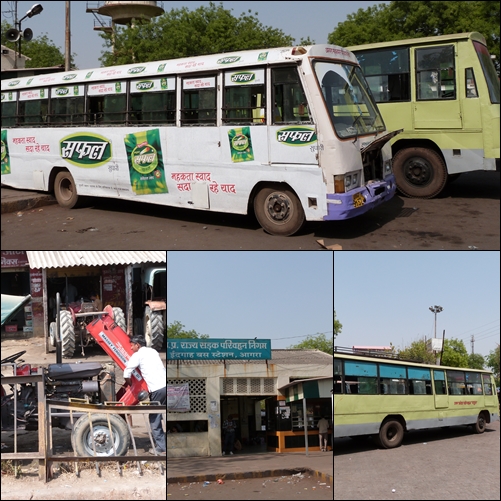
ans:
(417, 171)
(101, 439)
(278, 207)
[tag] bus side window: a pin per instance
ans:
(387, 72)
(95, 110)
(487, 384)
(244, 97)
(33, 112)
(9, 114)
(114, 109)
(435, 73)
(153, 108)
(471, 85)
(67, 110)
(198, 101)
(290, 104)
(439, 380)
(244, 105)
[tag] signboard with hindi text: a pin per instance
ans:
(218, 349)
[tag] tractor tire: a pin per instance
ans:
(82, 438)
(119, 317)
(52, 333)
(153, 328)
(138, 327)
(67, 334)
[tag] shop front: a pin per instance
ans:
(294, 415)
(113, 278)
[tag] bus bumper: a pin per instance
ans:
(356, 202)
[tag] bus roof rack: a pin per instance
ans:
(374, 351)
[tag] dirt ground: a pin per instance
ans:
(65, 484)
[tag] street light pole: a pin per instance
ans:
(34, 11)
(436, 309)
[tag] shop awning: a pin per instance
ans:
(65, 259)
(11, 304)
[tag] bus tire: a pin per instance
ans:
(65, 190)
(419, 172)
(481, 424)
(278, 210)
(391, 434)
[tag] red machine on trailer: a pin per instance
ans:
(83, 380)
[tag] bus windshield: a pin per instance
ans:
(348, 98)
(491, 77)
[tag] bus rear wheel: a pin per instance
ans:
(480, 425)
(391, 434)
(65, 190)
(419, 172)
(279, 211)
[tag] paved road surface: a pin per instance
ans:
(451, 463)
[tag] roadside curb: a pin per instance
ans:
(251, 474)
(26, 203)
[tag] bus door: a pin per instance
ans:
(436, 104)
(292, 134)
(441, 396)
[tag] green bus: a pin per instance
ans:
(382, 397)
(444, 92)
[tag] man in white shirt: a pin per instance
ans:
(153, 371)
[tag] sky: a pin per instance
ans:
(383, 297)
(297, 19)
(279, 295)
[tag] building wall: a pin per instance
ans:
(204, 444)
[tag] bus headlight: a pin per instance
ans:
(347, 182)
(387, 170)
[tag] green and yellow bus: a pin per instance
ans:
(383, 397)
(444, 92)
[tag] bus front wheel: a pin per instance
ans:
(391, 434)
(419, 172)
(279, 211)
(65, 190)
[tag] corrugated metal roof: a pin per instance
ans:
(64, 259)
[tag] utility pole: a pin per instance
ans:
(67, 48)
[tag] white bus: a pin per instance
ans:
(290, 133)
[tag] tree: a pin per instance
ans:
(455, 353)
(318, 342)
(176, 330)
(337, 326)
(41, 50)
(476, 361)
(492, 361)
(401, 19)
(184, 33)
(417, 352)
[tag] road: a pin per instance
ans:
(283, 487)
(452, 463)
(466, 216)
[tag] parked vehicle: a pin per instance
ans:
(74, 320)
(153, 323)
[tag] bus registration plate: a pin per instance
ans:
(358, 200)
